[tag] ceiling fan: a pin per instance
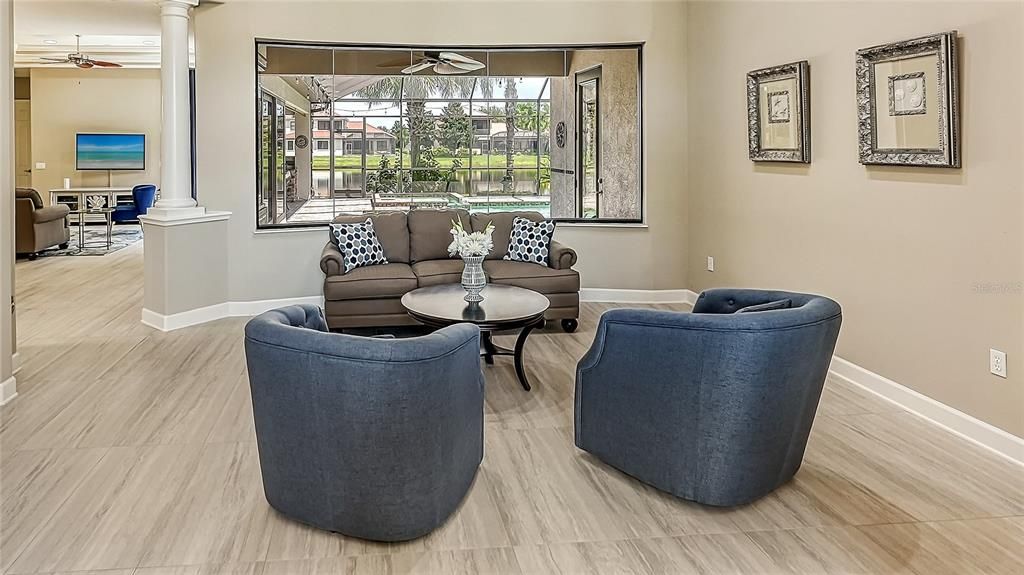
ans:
(444, 63)
(79, 59)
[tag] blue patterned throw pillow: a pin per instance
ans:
(358, 244)
(530, 241)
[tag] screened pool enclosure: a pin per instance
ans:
(345, 130)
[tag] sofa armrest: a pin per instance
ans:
(51, 213)
(561, 257)
(331, 260)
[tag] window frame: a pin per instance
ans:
(641, 221)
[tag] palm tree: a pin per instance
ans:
(507, 183)
(416, 89)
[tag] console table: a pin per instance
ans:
(78, 199)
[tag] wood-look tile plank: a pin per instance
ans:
(235, 422)
(500, 561)
(33, 485)
(549, 494)
(220, 516)
(204, 569)
(991, 546)
(105, 523)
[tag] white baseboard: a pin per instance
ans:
(15, 362)
(953, 420)
(638, 295)
(220, 311)
(8, 390)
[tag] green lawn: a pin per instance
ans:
(479, 162)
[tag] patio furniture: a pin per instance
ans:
(36, 227)
(374, 438)
(711, 406)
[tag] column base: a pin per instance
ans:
(156, 213)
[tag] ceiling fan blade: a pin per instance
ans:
(447, 69)
(54, 63)
(467, 66)
(417, 67)
(456, 57)
(54, 60)
(84, 64)
(103, 64)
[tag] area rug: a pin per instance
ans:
(122, 236)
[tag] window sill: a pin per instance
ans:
(319, 229)
(638, 225)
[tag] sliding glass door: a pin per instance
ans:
(588, 142)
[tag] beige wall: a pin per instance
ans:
(926, 262)
(277, 265)
(66, 101)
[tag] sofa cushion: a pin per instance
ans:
(767, 306)
(392, 230)
(434, 272)
(29, 193)
(502, 228)
(358, 244)
(429, 233)
(532, 276)
(530, 241)
(371, 282)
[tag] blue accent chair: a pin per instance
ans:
(711, 406)
(143, 197)
(374, 438)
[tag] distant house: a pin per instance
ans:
(349, 138)
(492, 140)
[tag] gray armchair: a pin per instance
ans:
(369, 437)
(711, 406)
(37, 228)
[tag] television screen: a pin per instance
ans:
(110, 152)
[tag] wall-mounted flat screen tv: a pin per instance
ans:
(110, 151)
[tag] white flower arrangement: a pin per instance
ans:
(470, 244)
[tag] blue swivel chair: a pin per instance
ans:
(142, 199)
(369, 437)
(713, 406)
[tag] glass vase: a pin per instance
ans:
(473, 278)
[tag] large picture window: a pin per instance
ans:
(349, 130)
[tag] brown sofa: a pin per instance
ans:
(37, 228)
(416, 246)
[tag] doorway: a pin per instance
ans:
(23, 143)
(588, 142)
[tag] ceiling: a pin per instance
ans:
(122, 31)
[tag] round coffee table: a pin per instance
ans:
(504, 308)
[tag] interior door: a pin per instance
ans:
(23, 143)
(588, 143)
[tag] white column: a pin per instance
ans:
(175, 138)
(8, 385)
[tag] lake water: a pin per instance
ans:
(467, 182)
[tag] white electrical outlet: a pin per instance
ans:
(711, 264)
(997, 362)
